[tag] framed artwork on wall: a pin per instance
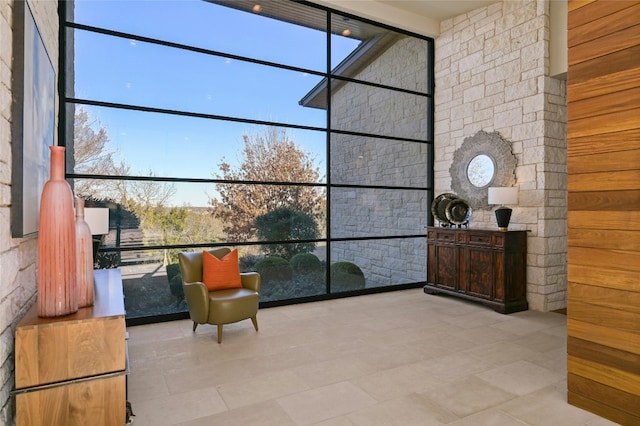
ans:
(33, 127)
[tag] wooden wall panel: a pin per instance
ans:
(616, 21)
(603, 130)
(605, 143)
(591, 78)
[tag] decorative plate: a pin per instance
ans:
(458, 212)
(439, 207)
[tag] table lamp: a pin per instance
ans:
(502, 196)
(98, 220)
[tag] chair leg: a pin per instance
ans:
(195, 324)
(219, 333)
(254, 320)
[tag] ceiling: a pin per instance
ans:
(437, 9)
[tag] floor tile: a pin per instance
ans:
(520, 377)
(268, 413)
(409, 410)
(319, 404)
(467, 396)
(261, 388)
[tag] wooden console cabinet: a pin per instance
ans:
(71, 370)
(478, 264)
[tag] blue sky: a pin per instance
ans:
(126, 71)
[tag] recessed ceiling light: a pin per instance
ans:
(257, 8)
(346, 32)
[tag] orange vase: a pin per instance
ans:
(84, 257)
(57, 282)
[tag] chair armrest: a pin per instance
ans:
(251, 280)
(197, 296)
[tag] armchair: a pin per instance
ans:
(218, 307)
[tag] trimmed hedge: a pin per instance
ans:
(175, 281)
(273, 268)
(346, 276)
(305, 263)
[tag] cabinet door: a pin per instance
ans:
(432, 261)
(446, 266)
(478, 272)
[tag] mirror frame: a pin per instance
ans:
(498, 150)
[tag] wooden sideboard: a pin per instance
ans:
(71, 370)
(479, 264)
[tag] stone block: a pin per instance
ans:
(508, 118)
(537, 302)
(473, 94)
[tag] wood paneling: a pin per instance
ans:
(620, 20)
(604, 239)
(603, 308)
(605, 143)
(604, 200)
(605, 355)
(592, 78)
(581, 15)
(625, 220)
(613, 103)
(595, 48)
(598, 276)
(604, 123)
(599, 392)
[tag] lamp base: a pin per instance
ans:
(503, 216)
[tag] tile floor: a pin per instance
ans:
(401, 358)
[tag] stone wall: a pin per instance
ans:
(492, 74)
(17, 256)
(358, 212)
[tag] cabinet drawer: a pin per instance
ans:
(482, 239)
(443, 236)
(497, 240)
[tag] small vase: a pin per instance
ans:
(57, 282)
(84, 258)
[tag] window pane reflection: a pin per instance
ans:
(238, 29)
(370, 212)
(381, 56)
(380, 262)
(189, 81)
(361, 108)
(138, 143)
(371, 161)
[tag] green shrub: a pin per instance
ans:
(304, 263)
(273, 268)
(248, 261)
(285, 225)
(175, 281)
(173, 269)
(107, 260)
(346, 276)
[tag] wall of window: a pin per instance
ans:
(283, 129)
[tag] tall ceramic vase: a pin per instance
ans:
(84, 257)
(57, 282)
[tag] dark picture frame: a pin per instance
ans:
(33, 128)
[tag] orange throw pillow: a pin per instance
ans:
(220, 274)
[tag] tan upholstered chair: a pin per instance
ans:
(221, 306)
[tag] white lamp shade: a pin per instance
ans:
(503, 195)
(98, 220)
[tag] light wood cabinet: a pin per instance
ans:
(478, 264)
(71, 370)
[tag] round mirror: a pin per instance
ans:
(481, 170)
(483, 160)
